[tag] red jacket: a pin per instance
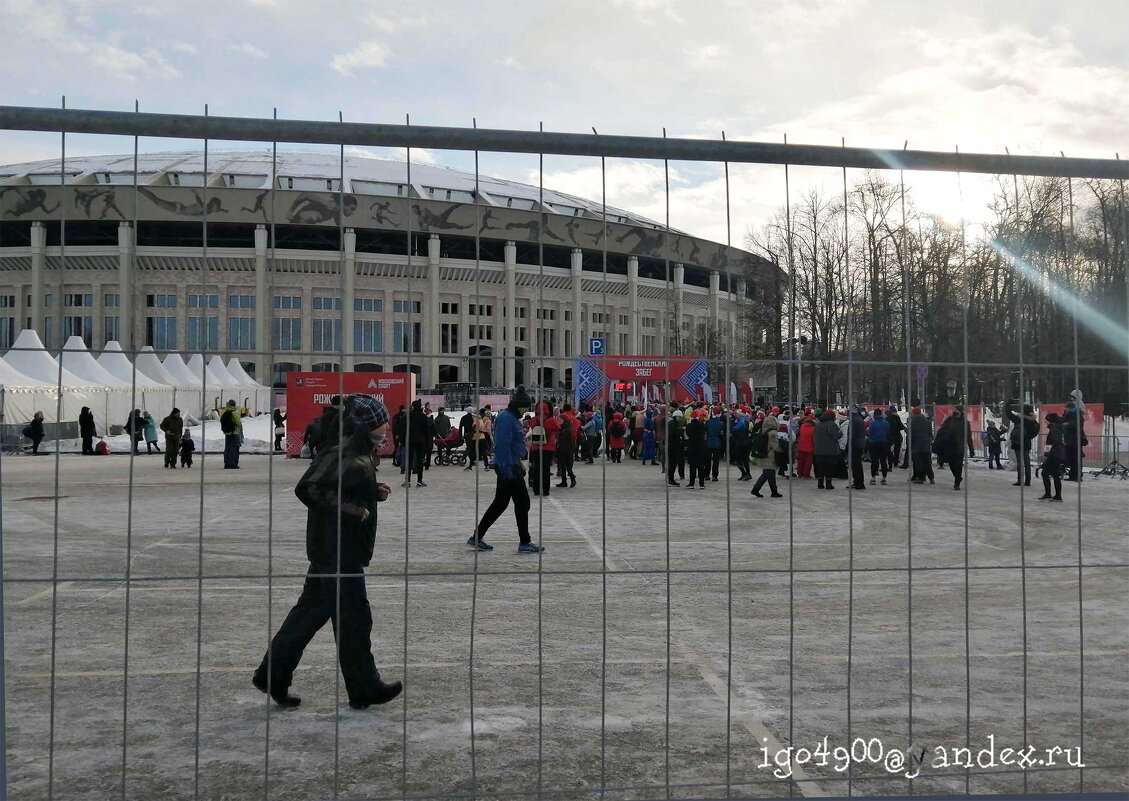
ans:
(552, 428)
(616, 441)
(805, 442)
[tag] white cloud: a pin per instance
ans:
(248, 49)
(124, 63)
(183, 47)
(389, 25)
(367, 55)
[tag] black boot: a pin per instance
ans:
(282, 697)
(382, 695)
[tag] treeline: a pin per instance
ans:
(1042, 281)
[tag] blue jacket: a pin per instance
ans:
(509, 444)
(715, 432)
(879, 431)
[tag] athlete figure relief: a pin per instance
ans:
(29, 201)
(88, 198)
(382, 213)
(647, 241)
(259, 207)
(429, 220)
(196, 209)
(311, 211)
(533, 229)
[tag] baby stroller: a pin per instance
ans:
(447, 449)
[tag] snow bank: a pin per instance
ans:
(258, 437)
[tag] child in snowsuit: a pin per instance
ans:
(187, 446)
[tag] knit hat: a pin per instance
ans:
(365, 411)
(853, 408)
(521, 398)
(916, 410)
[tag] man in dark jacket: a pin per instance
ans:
(1054, 458)
(466, 428)
(953, 437)
(921, 446)
(857, 446)
(1023, 431)
(399, 434)
(897, 438)
(415, 443)
(827, 454)
(675, 448)
(173, 426)
(135, 427)
(1073, 440)
(335, 584)
(86, 430)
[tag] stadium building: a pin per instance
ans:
(294, 270)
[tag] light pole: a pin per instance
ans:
(799, 343)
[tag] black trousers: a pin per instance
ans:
(1071, 464)
(87, 446)
(1052, 472)
(675, 461)
(957, 469)
(231, 450)
(740, 455)
(922, 466)
(415, 463)
(564, 464)
(1022, 465)
(994, 459)
(317, 605)
(540, 472)
(767, 474)
(858, 477)
(508, 489)
(471, 451)
(879, 458)
(699, 467)
(715, 460)
(895, 456)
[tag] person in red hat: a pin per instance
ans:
(616, 432)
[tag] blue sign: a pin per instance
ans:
(597, 346)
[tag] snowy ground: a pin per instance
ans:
(604, 716)
(258, 437)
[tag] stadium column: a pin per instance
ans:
(127, 330)
(679, 283)
(38, 257)
(580, 341)
(431, 338)
(739, 301)
(715, 298)
(633, 304)
(349, 292)
(509, 339)
(262, 303)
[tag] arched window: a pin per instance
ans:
(368, 367)
(279, 371)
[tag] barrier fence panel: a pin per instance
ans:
(620, 467)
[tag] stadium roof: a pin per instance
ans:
(311, 171)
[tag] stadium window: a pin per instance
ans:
(240, 333)
(449, 308)
(449, 337)
(286, 333)
(288, 302)
(112, 300)
(327, 304)
(160, 332)
(110, 329)
(160, 302)
(623, 319)
(241, 301)
(195, 340)
(203, 301)
(407, 306)
(368, 304)
(406, 337)
(7, 301)
(368, 336)
(623, 343)
(648, 343)
(7, 331)
(327, 334)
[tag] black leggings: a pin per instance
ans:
(879, 458)
(508, 489)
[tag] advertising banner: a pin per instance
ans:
(595, 373)
(1092, 427)
(308, 393)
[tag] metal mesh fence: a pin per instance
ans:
(662, 638)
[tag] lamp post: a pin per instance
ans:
(798, 343)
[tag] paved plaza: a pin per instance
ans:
(763, 614)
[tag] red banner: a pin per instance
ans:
(644, 368)
(308, 393)
(1093, 423)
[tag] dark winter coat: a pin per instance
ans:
(1056, 442)
(920, 434)
(1023, 430)
(858, 433)
(173, 425)
(827, 436)
(36, 428)
(696, 448)
(417, 429)
(950, 442)
(897, 428)
(318, 490)
(86, 424)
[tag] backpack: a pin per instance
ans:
(227, 422)
(760, 444)
(617, 429)
(27, 432)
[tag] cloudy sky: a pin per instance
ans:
(1036, 76)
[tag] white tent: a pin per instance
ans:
(122, 397)
(28, 356)
(144, 392)
(260, 395)
(148, 363)
(22, 396)
(189, 385)
(227, 381)
(218, 388)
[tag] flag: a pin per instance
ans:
(707, 392)
(591, 380)
(732, 392)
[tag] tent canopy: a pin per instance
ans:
(77, 359)
(179, 370)
(226, 380)
(29, 357)
(116, 363)
(148, 363)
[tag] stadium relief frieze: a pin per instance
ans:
(330, 209)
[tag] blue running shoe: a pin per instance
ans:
(481, 545)
(529, 547)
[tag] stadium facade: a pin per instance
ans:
(297, 268)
